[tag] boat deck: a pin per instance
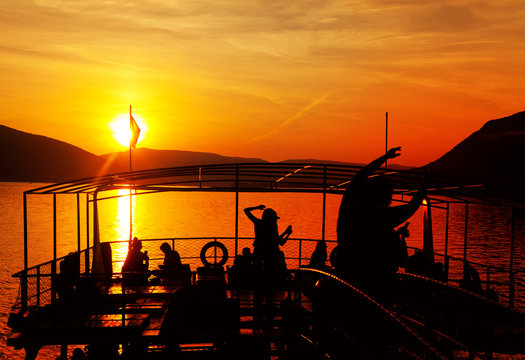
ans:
(199, 317)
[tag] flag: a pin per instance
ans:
(135, 131)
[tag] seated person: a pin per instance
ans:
(319, 256)
(242, 272)
(135, 268)
(171, 258)
(244, 261)
(471, 280)
(172, 271)
(418, 264)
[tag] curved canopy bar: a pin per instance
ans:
(280, 177)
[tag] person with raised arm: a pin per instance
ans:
(267, 238)
(268, 259)
(366, 223)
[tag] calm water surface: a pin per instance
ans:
(208, 215)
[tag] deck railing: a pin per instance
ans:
(36, 285)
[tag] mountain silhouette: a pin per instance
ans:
(491, 155)
(29, 157)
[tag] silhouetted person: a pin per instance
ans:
(244, 262)
(438, 272)
(267, 258)
(172, 260)
(78, 354)
(242, 273)
(319, 256)
(266, 253)
(135, 268)
(365, 226)
(69, 274)
(471, 280)
(418, 264)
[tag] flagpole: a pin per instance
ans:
(386, 137)
(130, 173)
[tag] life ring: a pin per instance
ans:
(220, 246)
(333, 255)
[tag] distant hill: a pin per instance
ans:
(144, 158)
(28, 157)
(492, 155)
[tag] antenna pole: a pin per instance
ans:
(386, 137)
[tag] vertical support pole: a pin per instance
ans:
(511, 260)
(236, 209)
(54, 263)
(130, 179)
(24, 276)
(465, 239)
(63, 352)
(386, 137)
(324, 204)
(38, 285)
(446, 240)
(123, 289)
(300, 251)
(87, 235)
(78, 223)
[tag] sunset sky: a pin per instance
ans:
(257, 78)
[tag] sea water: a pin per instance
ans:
(205, 214)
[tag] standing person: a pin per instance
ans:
(266, 253)
(365, 226)
(267, 258)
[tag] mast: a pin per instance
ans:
(130, 173)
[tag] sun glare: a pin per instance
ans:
(121, 131)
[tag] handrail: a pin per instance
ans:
(429, 350)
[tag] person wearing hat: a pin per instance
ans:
(268, 259)
(267, 238)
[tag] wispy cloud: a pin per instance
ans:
(299, 114)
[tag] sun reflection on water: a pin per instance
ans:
(121, 227)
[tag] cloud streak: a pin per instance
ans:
(289, 121)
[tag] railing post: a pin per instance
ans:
(215, 251)
(78, 222)
(324, 203)
(38, 285)
(511, 260)
(236, 209)
(54, 263)
(465, 241)
(24, 274)
(446, 241)
(87, 235)
(300, 250)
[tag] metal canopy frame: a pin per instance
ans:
(276, 177)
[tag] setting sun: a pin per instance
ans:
(121, 129)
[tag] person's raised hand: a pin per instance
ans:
(393, 152)
(261, 207)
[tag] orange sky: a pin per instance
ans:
(275, 80)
